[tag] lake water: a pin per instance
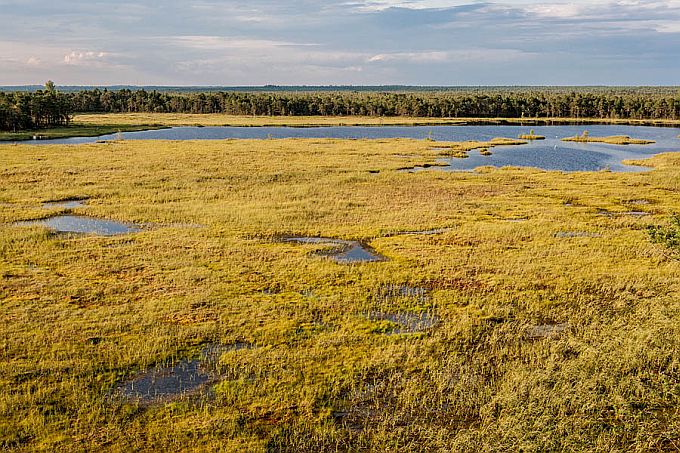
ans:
(549, 154)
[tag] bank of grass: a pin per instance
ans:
(612, 140)
(75, 130)
(80, 314)
(182, 119)
(461, 149)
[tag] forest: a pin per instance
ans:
(41, 109)
(46, 108)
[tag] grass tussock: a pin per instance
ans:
(541, 342)
(531, 136)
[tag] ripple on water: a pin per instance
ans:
(81, 225)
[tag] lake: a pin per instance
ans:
(549, 154)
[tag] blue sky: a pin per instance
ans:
(256, 42)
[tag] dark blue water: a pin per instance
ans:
(549, 154)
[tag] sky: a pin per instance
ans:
(337, 42)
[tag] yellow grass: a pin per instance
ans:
(612, 140)
(181, 119)
(531, 137)
(81, 314)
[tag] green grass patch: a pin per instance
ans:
(74, 130)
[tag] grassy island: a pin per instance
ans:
(461, 149)
(531, 136)
(612, 140)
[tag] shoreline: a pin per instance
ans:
(95, 125)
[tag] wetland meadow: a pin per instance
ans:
(341, 288)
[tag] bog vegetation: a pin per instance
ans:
(515, 309)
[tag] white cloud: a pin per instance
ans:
(88, 57)
(222, 43)
(410, 57)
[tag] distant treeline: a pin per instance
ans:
(41, 109)
(47, 107)
(597, 89)
(511, 104)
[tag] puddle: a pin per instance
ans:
(638, 202)
(64, 204)
(402, 322)
(343, 251)
(609, 214)
(405, 322)
(82, 225)
(605, 213)
(417, 168)
(271, 291)
(576, 234)
(543, 331)
(171, 382)
(518, 219)
(419, 232)
(387, 292)
(171, 225)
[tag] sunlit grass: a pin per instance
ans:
(612, 140)
(185, 119)
(81, 314)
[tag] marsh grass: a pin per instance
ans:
(612, 140)
(83, 314)
(185, 119)
(76, 129)
(461, 149)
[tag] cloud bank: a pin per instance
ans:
(427, 42)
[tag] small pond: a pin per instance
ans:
(167, 382)
(342, 251)
(82, 225)
(406, 322)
